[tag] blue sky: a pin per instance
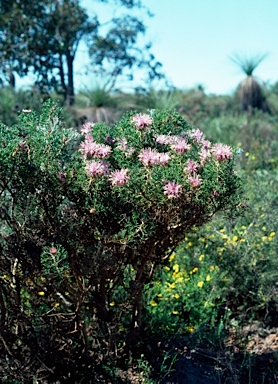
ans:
(193, 39)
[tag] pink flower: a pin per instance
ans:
(86, 128)
(204, 154)
(142, 121)
(163, 139)
(206, 143)
(172, 189)
(197, 135)
(194, 180)
(119, 177)
(222, 152)
(96, 168)
(179, 144)
(102, 151)
(192, 166)
(149, 156)
(216, 193)
(163, 158)
(89, 148)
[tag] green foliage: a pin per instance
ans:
(224, 274)
(83, 231)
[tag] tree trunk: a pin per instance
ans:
(70, 86)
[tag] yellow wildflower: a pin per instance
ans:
(112, 303)
(56, 305)
(179, 279)
(272, 234)
(171, 286)
(41, 293)
(194, 270)
(176, 296)
(190, 329)
(264, 238)
(172, 256)
(200, 284)
(176, 268)
(153, 303)
(201, 257)
(167, 268)
(175, 312)
(208, 278)
(235, 239)
(247, 154)
(264, 228)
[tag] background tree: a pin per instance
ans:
(250, 90)
(43, 37)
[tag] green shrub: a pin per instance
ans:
(84, 230)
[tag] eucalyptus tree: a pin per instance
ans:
(43, 37)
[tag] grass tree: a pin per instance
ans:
(250, 90)
(95, 104)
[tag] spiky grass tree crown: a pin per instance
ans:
(250, 91)
(248, 64)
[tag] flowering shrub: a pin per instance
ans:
(86, 218)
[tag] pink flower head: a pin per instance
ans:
(96, 168)
(142, 121)
(163, 158)
(102, 151)
(192, 166)
(179, 144)
(222, 152)
(204, 154)
(89, 148)
(149, 156)
(197, 135)
(206, 143)
(119, 177)
(87, 128)
(216, 193)
(163, 139)
(194, 180)
(172, 189)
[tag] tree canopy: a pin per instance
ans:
(42, 37)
